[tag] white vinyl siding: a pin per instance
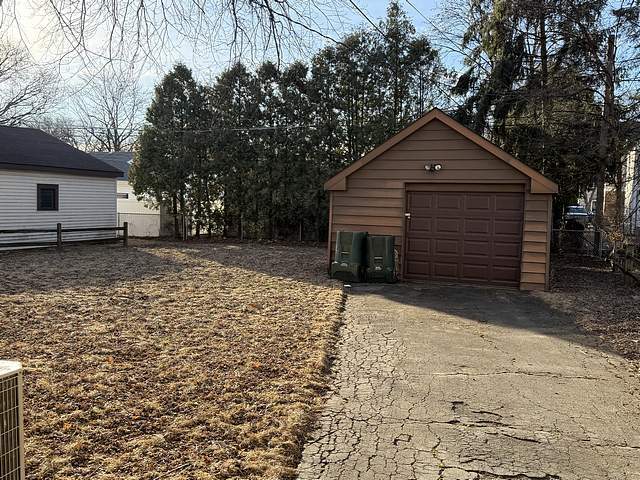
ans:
(132, 204)
(83, 201)
(143, 220)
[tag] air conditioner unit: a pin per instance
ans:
(11, 426)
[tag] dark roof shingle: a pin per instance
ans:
(33, 149)
(119, 160)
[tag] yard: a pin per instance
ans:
(168, 360)
(599, 302)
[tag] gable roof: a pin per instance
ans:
(32, 149)
(539, 183)
(119, 160)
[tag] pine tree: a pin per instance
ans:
(170, 144)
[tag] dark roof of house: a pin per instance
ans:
(32, 149)
(120, 160)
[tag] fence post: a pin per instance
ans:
(59, 235)
(628, 264)
(125, 234)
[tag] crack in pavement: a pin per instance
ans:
(420, 393)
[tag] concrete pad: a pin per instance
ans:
(471, 383)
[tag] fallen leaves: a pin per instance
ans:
(599, 301)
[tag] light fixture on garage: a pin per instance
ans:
(433, 167)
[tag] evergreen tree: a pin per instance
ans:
(529, 84)
(248, 156)
(170, 144)
(235, 109)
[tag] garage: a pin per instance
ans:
(460, 208)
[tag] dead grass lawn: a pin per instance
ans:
(163, 360)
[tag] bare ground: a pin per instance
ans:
(599, 301)
(162, 360)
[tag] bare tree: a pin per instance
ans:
(110, 28)
(26, 90)
(60, 127)
(109, 110)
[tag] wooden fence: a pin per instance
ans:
(58, 242)
(626, 261)
(622, 256)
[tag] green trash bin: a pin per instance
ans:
(349, 259)
(381, 259)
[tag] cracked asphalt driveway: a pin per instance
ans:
(461, 383)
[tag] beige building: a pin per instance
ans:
(144, 220)
(461, 209)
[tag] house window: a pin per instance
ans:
(47, 197)
(122, 195)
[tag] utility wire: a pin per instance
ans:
(379, 30)
(177, 130)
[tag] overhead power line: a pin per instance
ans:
(176, 130)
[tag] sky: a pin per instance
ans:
(26, 22)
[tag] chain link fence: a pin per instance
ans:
(621, 251)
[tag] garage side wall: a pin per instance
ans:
(374, 200)
(536, 242)
(83, 201)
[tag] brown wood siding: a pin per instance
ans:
(374, 200)
(535, 247)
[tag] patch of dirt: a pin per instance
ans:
(599, 301)
(166, 360)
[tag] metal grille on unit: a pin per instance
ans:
(11, 427)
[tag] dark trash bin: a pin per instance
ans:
(349, 259)
(381, 259)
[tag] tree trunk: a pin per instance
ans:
(176, 222)
(603, 148)
(544, 76)
(620, 196)
(183, 212)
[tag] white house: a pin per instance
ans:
(630, 192)
(631, 189)
(144, 220)
(44, 181)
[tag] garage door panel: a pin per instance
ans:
(447, 225)
(418, 268)
(506, 274)
(509, 250)
(507, 227)
(475, 272)
(419, 246)
(476, 248)
(475, 202)
(471, 236)
(421, 224)
(421, 201)
(445, 270)
(448, 201)
(477, 226)
(447, 247)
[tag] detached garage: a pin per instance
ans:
(461, 208)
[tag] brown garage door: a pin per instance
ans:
(472, 237)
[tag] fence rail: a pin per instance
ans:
(59, 230)
(622, 255)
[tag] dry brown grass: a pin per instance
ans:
(164, 360)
